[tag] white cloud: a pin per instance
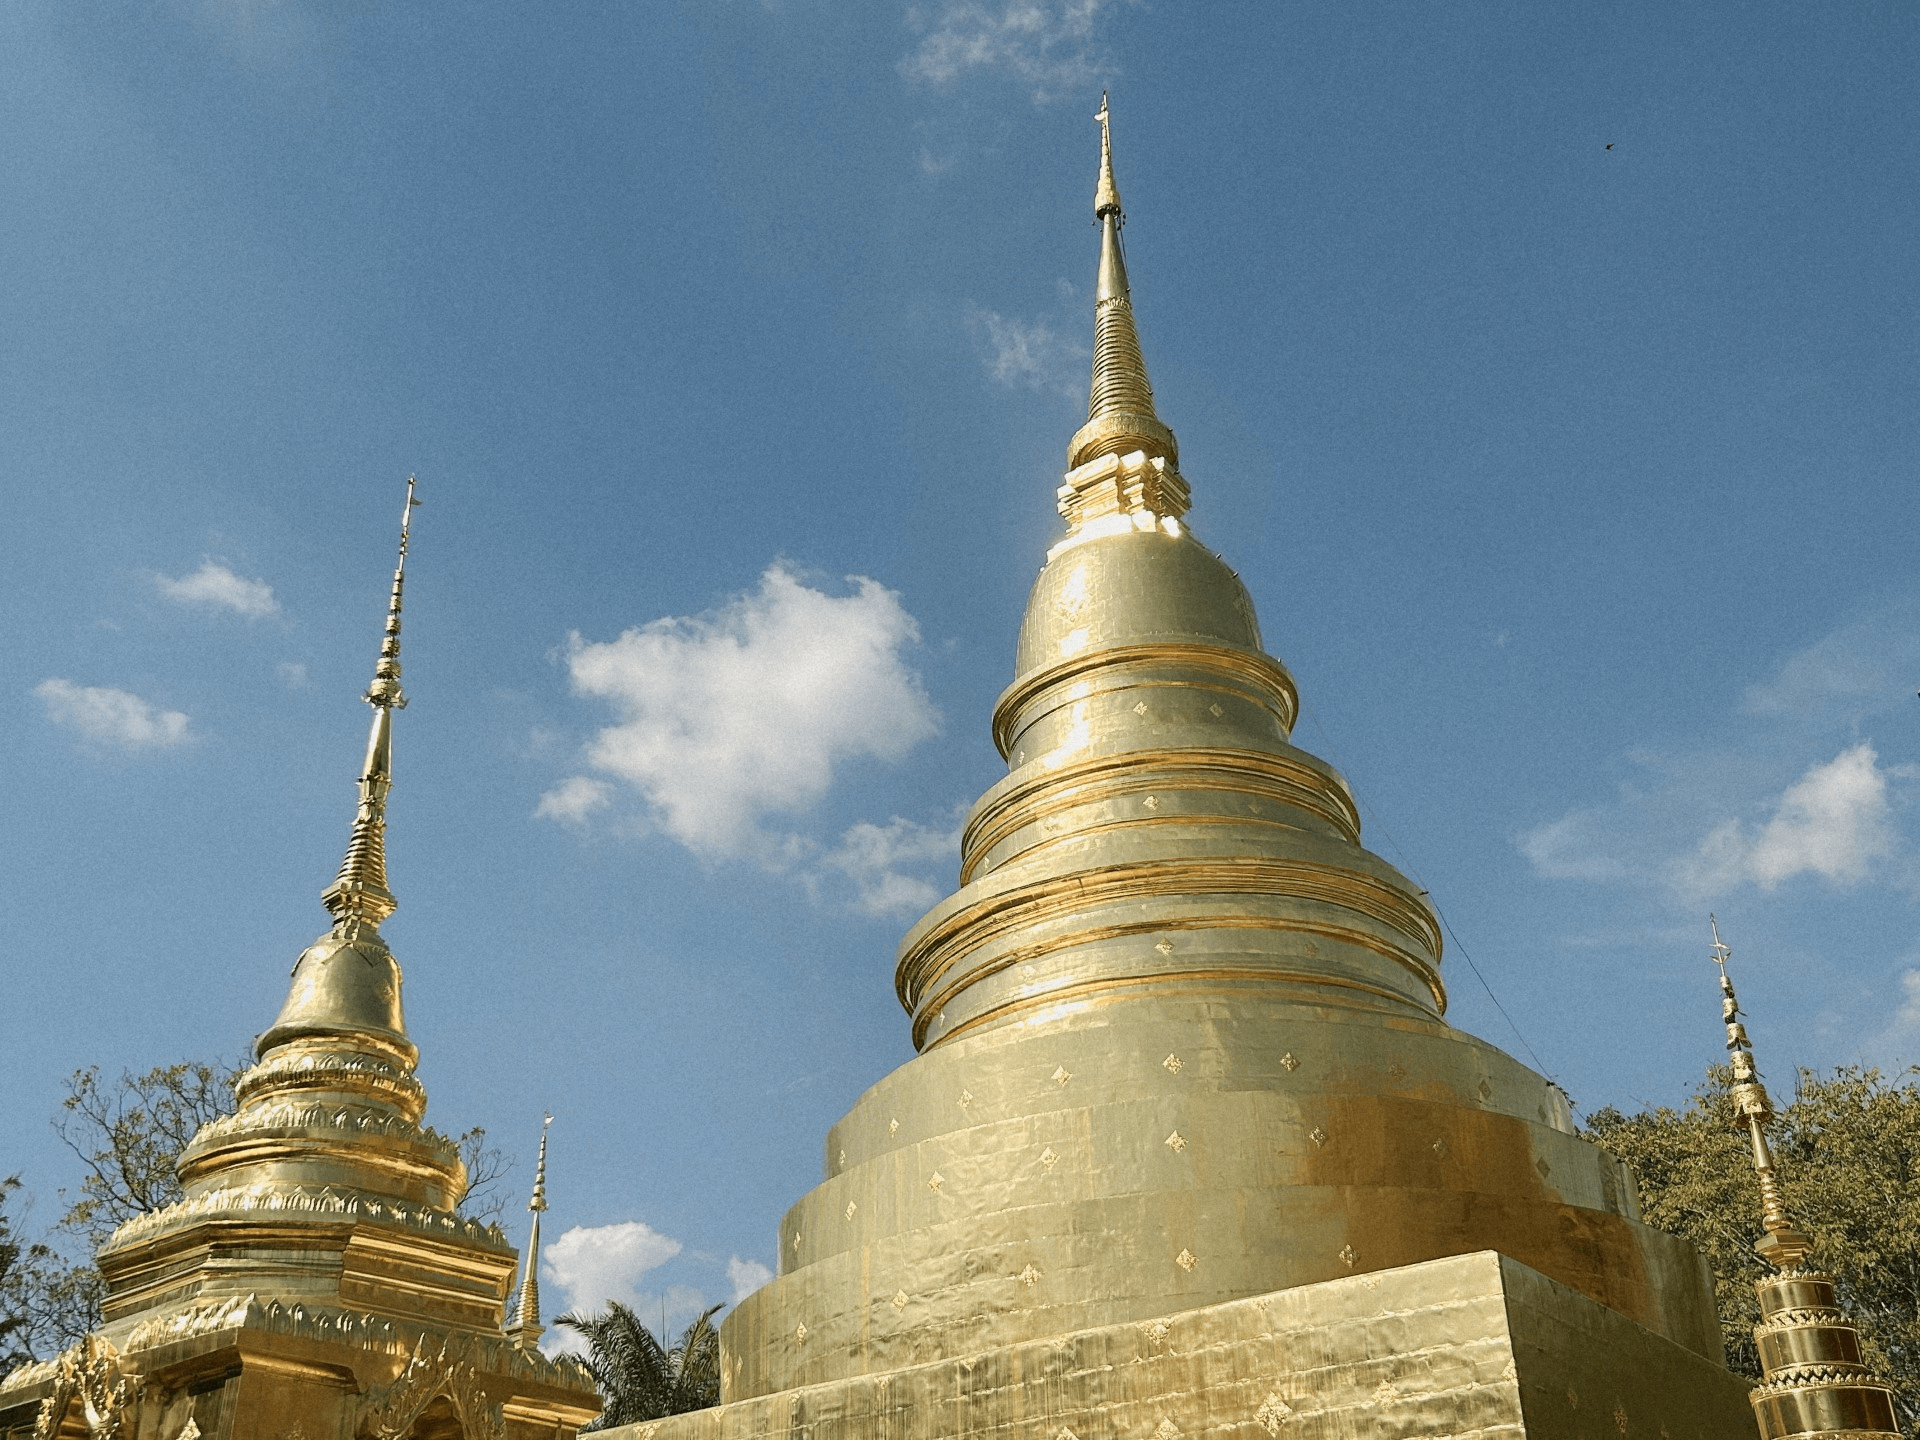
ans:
(573, 799)
(744, 712)
(1756, 804)
(597, 1263)
(747, 1276)
(1030, 355)
(1834, 822)
(293, 675)
(1050, 48)
(216, 587)
(115, 717)
(872, 856)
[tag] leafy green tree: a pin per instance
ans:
(1848, 1147)
(640, 1378)
(129, 1132)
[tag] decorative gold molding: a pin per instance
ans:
(1252, 773)
(269, 1199)
(941, 949)
(90, 1374)
(1266, 676)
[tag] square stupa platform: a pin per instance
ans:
(1471, 1346)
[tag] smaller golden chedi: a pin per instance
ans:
(1815, 1383)
(316, 1281)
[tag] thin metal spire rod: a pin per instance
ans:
(359, 897)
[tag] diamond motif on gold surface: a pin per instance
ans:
(1152, 802)
(1572, 1398)
(1347, 1256)
(1061, 1075)
(1048, 1158)
(1141, 708)
(843, 1159)
(1384, 1392)
(1174, 1064)
(1066, 1434)
(851, 1207)
(1287, 1062)
(1166, 1430)
(899, 1299)
(1440, 1147)
(1176, 1142)
(893, 1127)
(1155, 1330)
(1486, 1090)
(1544, 1168)
(1619, 1417)
(1186, 1260)
(936, 1181)
(1029, 1277)
(966, 1099)
(1317, 1135)
(1165, 947)
(1272, 1414)
(796, 1239)
(1217, 711)
(801, 1334)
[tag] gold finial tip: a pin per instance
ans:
(1106, 195)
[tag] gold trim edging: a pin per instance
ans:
(1261, 671)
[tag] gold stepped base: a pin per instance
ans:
(1474, 1345)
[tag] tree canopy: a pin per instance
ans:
(1848, 1147)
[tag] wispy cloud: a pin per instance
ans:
(1788, 790)
(876, 858)
(1029, 354)
(574, 799)
(746, 1276)
(746, 711)
(214, 587)
(1052, 49)
(111, 717)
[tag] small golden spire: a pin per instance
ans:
(1814, 1385)
(1784, 1245)
(359, 897)
(1120, 414)
(526, 1328)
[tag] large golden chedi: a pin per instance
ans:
(1182, 1046)
(317, 1281)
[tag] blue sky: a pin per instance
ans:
(736, 347)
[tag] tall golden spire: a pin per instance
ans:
(525, 1326)
(1120, 414)
(1814, 1383)
(359, 895)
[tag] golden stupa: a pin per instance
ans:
(316, 1282)
(1188, 1148)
